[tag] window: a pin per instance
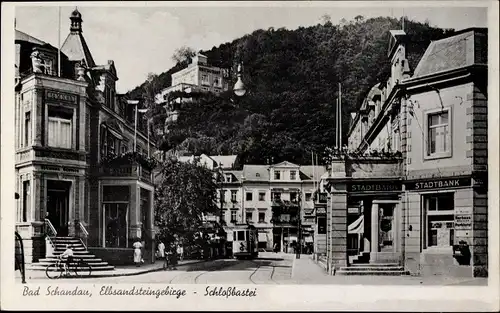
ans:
(277, 175)
(293, 175)
(241, 235)
(249, 216)
(27, 129)
(217, 82)
(26, 201)
(276, 196)
(115, 208)
(293, 196)
(440, 215)
(229, 178)
(204, 79)
(262, 196)
(257, 174)
(308, 196)
(124, 147)
(233, 216)
(249, 196)
(60, 130)
(223, 216)
(262, 217)
(233, 195)
(321, 225)
(438, 133)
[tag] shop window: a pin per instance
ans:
(249, 196)
(321, 225)
(438, 134)
(60, 128)
(262, 217)
(249, 217)
(115, 210)
(439, 216)
(262, 196)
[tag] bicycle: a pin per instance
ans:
(79, 267)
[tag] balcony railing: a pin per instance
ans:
(128, 171)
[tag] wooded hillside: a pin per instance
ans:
(292, 78)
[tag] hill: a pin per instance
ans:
(292, 78)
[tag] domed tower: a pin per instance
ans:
(75, 46)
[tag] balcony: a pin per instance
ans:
(46, 153)
(128, 165)
(374, 165)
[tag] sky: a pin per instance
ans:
(142, 37)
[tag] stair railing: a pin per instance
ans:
(85, 233)
(50, 231)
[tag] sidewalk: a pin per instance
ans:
(306, 271)
(131, 270)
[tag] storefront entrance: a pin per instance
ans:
(58, 194)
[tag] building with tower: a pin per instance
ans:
(81, 169)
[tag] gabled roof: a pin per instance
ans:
(227, 161)
(285, 164)
(312, 172)
(76, 48)
(450, 53)
(236, 175)
(25, 37)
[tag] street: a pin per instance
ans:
(267, 269)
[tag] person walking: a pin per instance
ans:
(161, 254)
(180, 252)
(275, 248)
(137, 252)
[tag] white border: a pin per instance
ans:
(402, 298)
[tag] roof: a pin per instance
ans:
(256, 172)
(76, 48)
(309, 170)
(25, 37)
(451, 53)
(285, 164)
(227, 161)
(236, 174)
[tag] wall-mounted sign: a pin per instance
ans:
(320, 211)
(463, 210)
(463, 221)
(438, 184)
(377, 187)
(353, 210)
(59, 96)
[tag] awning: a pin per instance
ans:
(357, 227)
(262, 237)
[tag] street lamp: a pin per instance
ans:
(239, 86)
(137, 110)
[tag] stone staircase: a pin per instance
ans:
(79, 251)
(377, 269)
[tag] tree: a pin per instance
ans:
(184, 194)
(183, 54)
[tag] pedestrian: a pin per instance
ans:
(137, 252)
(143, 250)
(180, 252)
(160, 253)
(275, 248)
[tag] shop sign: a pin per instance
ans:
(463, 221)
(59, 96)
(353, 210)
(378, 187)
(320, 211)
(439, 184)
(463, 210)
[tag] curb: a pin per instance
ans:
(149, 270)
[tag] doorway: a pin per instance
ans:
(58, 193)
(386, 227)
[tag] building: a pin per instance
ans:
(75, 170)
(412, 187)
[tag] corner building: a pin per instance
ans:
(411, 188)
(72, 133)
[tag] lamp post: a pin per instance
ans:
(137, 110)
(299, 230)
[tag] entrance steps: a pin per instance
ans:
(378, 269)
(79, 252)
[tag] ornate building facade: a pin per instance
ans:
(80, 166)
